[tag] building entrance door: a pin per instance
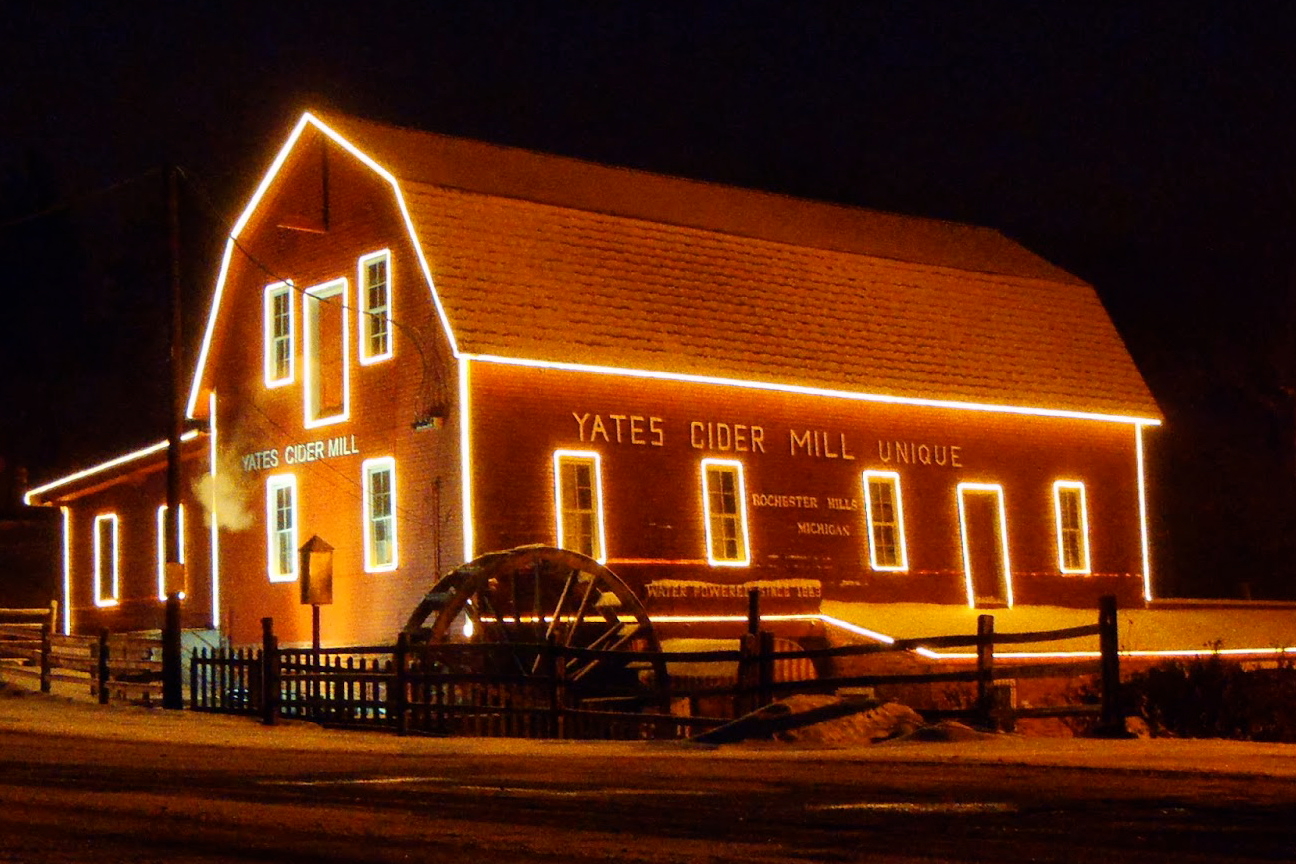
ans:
(983, 531)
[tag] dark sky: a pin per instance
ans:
(1148, 149)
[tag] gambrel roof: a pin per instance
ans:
(541, 258)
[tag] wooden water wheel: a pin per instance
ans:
(521, 599)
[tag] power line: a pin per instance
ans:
(69, 203)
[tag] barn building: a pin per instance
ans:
(422, 348)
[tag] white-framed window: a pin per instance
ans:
(280, 326)
(106, 554)
(161, 547)
(327, 377)
(724, 503)
(884, 509)
(281, 527)
(379, 514)
(1072, 518)
(578, 502)
(375, 322)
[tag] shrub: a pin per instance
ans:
(1212, 697)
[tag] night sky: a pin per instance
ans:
(1150, 150)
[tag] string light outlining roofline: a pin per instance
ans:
(813, 391)
(31, 494)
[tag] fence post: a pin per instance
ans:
(400, 699)
(557, 671)
(102, 672)
(193, 679)
(753, 610)
(1111, 722)
(269, 673)
(765, 669)
(745, 696)
(985, 667)
(172, 679)
(47, 646)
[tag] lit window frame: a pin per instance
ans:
(272, 291)
(996, 488)
(312, 298)
(741, 494)
(1076, 486)
(892, 478)
(370, 468)
(274, 483)
(595, 460)
(161, 548)
(111, 520)
(364, 314)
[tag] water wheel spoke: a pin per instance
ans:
(500, 631)
(537, 608)
(598, 644)
(615, 646)
(606, 635)
(562, 601)
(580, 612)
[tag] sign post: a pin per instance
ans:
(316, 590)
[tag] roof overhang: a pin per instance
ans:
(129, 461)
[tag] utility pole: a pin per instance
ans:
(172, 691)
(175, 415)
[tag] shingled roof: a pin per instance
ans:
(540, 257)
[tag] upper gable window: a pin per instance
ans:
(375, 324)
(279, 327)
(327, 376)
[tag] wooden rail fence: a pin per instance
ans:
(457, 689)
(120, 665)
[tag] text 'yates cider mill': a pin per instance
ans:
(306, 451)
(709, 435)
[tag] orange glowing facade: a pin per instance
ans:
(421, 349)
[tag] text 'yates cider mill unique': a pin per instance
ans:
(711, 435)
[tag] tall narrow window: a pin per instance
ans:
(106, 585)
(328, 359)
(161, 547)
(281, 527)
(375, 307)
(885, 512)
(578, 502)
(278, 327)
(724, 500)
(380, 514)
(1072, 526)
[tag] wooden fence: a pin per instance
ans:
(110, 665)
(460, 689)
